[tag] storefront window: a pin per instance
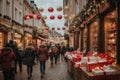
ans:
(18, 40)
(94, 36)
(1, 40)
(28, 39)
(110, 34)
(85, 38)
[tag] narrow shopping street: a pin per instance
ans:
(53, 72)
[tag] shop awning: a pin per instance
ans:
(40, 38)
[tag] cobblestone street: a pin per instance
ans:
(53, 72)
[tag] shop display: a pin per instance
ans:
(111, 40)
(94, 36)
(1, 40)
(18, 39)
(93, 66)
(84, 38)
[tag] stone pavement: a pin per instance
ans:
(53, 72)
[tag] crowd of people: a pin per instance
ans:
(11, 56)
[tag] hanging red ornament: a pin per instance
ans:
(58, 28)
(63, 28)
(59, 17)
(61, 36)
(41, 9)
(31, 16)
(59, 8)
(52, 17)
(53, 28)
(50, 9)
(26, 17)
(38, 17)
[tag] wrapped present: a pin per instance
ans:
(76, 59)
(97, 71)
(91, 65)
(102, 62)
(109, 70)
(77, 64)
(90, 59)
(84, 60)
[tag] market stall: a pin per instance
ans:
(92, 67)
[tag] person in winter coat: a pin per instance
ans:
(42, 56)
(20, 60)
(29, 58)
(7, 58)
(14, 47)
(55, 52)
(51, 54)
(59, 50)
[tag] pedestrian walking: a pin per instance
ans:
(51, 54)
(7, 58)
(59, 50)
(20, 59)
(43, 57)
(55, 52)
(63, 50)
(36, 53)
(29, 58)
(14, 47)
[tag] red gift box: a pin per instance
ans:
(90, 66)
(101, 64)
(77, 59)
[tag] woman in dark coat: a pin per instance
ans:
(7, 58)
(29, 58)
(43, 56)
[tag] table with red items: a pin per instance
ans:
(90, 76)
(82, 73)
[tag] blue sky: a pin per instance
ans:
(45, 4)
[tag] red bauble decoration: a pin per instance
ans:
(38, 17)
(31, 16)
(26, 17)
(63, 28)
(58, 28)
(52, 17)
(53, 28)
(50, 9)
(59, 16)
